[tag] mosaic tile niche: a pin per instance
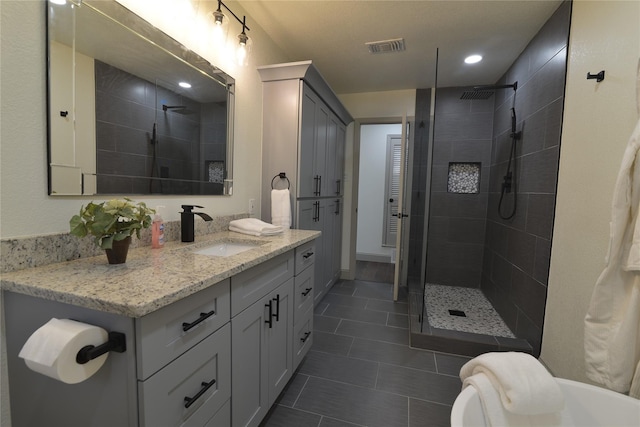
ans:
(464, 178)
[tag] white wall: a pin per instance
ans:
(598, 120)
(371, 192)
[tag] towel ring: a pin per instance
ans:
(281, 175)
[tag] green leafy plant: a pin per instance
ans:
(111, 221)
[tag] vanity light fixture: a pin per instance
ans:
(184, 85)
(244, 42)
(473, 59)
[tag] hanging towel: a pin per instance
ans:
(525, 387)
(281, 208)
(612, 322)
(254, 227)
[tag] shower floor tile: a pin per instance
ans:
(480, 316)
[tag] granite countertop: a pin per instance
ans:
(151, 278)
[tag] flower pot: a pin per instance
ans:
(118, 253)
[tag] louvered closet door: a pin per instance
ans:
(392, 183)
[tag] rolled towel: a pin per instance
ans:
(524, 385)
(281, 208)
(254, 227)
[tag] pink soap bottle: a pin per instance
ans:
(157, 230)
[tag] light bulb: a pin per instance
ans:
(244, 49)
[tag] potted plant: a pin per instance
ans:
(112, 223)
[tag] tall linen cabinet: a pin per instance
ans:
(303, 136)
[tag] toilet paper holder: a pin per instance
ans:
(116, 342)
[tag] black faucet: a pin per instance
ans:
(187, 220)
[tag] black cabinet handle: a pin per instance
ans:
(307, 255)
(320, 185)
(338, 181)
(306, 292)
(269, 321)
(277, 300)
(191, 400)
(306, 336)
(337, 211)
(316, 180)
(203, 316)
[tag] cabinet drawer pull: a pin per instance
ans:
(205, 386)
(307, 255)
(203, 316)
(277, 300)
(269, 321)
(306, 336)
(306, 292)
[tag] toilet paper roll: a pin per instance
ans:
(51, 350)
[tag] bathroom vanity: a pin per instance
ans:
(210, 340)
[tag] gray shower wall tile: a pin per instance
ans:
(542, 261)
(474, 150)
(521, 248)
(551, 38)
(540, 212)
(529, 296)
(539, 171)
(501, 273)
(457, 127)
(466, 230)
(528, 330)
(120, 163)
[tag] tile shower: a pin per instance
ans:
(472, 254)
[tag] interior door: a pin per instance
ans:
(400, 216)
(392, 182)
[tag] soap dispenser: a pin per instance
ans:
(157, 230)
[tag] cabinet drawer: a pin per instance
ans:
(249, 286)
(222, 418)
(163, 397)
(303, 293)
(302, 337)
(161, 335)
(305, 256)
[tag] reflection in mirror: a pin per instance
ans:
(131, 111)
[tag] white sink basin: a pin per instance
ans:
(225, 249)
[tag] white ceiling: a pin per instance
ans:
(333, 35)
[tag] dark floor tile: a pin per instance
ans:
(330, 422)
(389, 306)
(373, 332)
(377, 292)
(292, 390)
(340, 368)
(398, 320)
(320, 307)
(325, 324)
(450, 364)
(332, 343)
(394, 354)
(281, 416)
(418, 384)
(430, 414)
(344, 300)
(354, 404)
(359, 314)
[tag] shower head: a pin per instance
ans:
(476, 94)
(513, 86)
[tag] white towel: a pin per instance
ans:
(281, 208)
(495, 413)
(524, 385)
(254, 227)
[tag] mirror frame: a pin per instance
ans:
(129, 21)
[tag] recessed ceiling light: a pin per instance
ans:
(472, 59)
(184, 85)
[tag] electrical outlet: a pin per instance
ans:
(252, 206)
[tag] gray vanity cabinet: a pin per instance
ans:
(261, 338)
(303, 301)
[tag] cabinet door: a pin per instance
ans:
(331, 154)
(321, 178)
(336, 240)
(328, 225)
(279, 339)
(249, 377)
(339, 160)
(308, 123)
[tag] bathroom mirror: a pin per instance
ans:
(121, 120)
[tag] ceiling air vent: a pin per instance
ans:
(386, 46)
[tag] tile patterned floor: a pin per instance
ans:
(480, 316)
(375, 271)
(361, 371)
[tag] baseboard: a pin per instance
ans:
(373, 258)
